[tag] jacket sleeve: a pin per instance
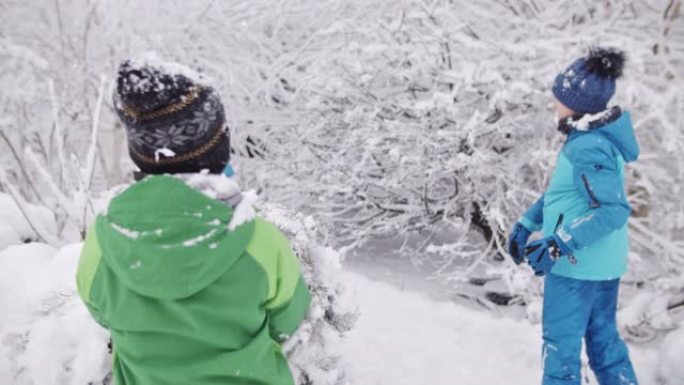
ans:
(288, 298)
(533, 218)
(598, 178)
(88, 264)
(288, 308)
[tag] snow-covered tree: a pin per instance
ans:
(427, 120)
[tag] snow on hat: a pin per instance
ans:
(588, 84)
(174, 119)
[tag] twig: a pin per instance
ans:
(21, 166)
(59, 137)
(676, 305)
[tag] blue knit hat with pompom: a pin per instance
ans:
(588, 84)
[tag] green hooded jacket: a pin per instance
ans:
(186, 300)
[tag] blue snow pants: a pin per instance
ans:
(576, 309)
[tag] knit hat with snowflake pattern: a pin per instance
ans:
(174, 122)
(588, 84)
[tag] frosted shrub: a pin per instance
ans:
(424, 120)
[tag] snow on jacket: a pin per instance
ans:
(585, 202)
(188, 301)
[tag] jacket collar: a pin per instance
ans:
(588, 122)
(614, 124)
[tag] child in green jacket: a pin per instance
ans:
(194, 288)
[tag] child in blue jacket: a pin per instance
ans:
(583, 216)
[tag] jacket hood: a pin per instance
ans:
(613, 124)
(166, 240)
(621, 133)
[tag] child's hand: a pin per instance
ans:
(544, 253)
(517, 241)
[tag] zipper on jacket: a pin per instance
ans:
(594, 204)
(571, 257)
(558, 223)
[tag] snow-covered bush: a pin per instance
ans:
(313, 351)
(55, 178)
(428, 120)
(432, 122)
(46, 333)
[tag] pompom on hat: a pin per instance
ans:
(588, 84)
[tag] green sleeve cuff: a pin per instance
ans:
(285, 319)
(88, 264)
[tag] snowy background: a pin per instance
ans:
(411, 133)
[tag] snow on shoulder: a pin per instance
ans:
(225, 189)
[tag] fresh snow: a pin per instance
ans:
(47, 336)
(13, 223)
(583, 123)
(153, 60)
(166, 152)
(224, 189)
(670, 366)
(244, 211)
(199, 239)
(402, 336)
(8, 236)
(405, 338)
(132, 234)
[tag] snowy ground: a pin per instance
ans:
(408, 337)
(408, 332)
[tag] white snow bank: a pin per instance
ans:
(671, 370)
(46, 334)
(19, 266)
(8, 236)
(402, 337)
(405, 338)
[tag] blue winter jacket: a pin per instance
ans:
(585, 202)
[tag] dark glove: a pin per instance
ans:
(517, 241)
(544, 253)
